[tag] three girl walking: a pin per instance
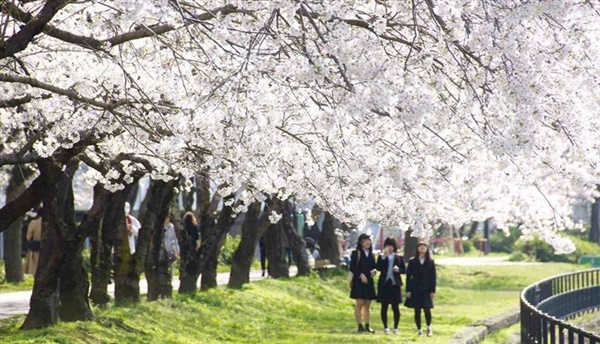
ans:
(420, 283)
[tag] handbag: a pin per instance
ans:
(409, 303)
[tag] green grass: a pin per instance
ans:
(6, 287)
(299, 310)
(503, 336)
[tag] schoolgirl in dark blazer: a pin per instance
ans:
(362, 287)
(389, 292)
(420, 285)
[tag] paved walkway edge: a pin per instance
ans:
(477, 332)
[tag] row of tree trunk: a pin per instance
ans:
(62, 289)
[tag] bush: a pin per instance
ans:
(468, 246)
(229, 246)
(500, 242)
(540, 251)
(519, 257)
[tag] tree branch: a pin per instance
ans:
(20, 40)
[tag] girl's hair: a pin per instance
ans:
(427, 255)
(390, 241)
(360, 247)
(189, 219)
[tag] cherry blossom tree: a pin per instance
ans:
(401, 112)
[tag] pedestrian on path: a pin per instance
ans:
(420, 286)
(170, 241)
(362, 286)
(34, 240)
(389, 292)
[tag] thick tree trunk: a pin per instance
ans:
(410, 245)
(297, 245)
(278, 266)
(594, 235)
(210, 248)
(156, 262)
(127, 279)
(473, 229)
(253, 228)
(74, 284)
(103, 239)
(44, 303)
(12, 236)
(328, 244)
(189, 269)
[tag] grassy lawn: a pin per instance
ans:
(299, 310)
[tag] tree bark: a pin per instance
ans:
(328, 244)
(74, 284)
(410, 245)
(211, 247)
(253, 228)
(297, 244)
(189, 269)
(12, 236)
(473, 229)
(127, 279)
(44, 303)
(594, 235)
(278, 266)
(103, 239)
(156, 262)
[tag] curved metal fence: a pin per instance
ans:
(545, 305)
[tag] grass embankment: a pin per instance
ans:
(300, 310)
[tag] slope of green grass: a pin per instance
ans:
(299, 310)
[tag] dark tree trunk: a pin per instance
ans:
(156, 262)
(44, 303)
(12, 236)
(410, 245)
(594, 235)
(297, 245)
(210, 248)
(190, 269)
(102, 244)
(74, 284)
(253, 228)
(473, 229)
(127, 279)
(278, 267)
(328, 244)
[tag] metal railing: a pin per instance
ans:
(546, 304)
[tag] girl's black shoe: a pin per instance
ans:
(369, 329)
(361, 329)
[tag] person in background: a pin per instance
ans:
(263, 256)
(170, 241)
(133, 227)
(190, 225)
(420, 286)
(34, 240)
(389, 292)
(362, 287)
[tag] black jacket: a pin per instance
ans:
(364, 266)
(420, 278)
(382, 267)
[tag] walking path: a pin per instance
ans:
(16, 303)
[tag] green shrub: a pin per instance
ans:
(229, 246)
(468, 246)
(540, 251)
(500, 242)
(519, 257)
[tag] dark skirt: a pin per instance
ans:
(419, 299)
(363, 291)
(389, 293)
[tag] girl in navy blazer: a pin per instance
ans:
(362, 288)
(390, 265)
(420, 286)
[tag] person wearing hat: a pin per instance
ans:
(420, 286)
(362, 287)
